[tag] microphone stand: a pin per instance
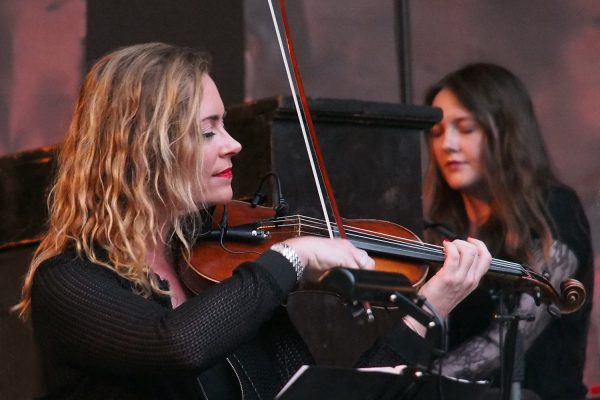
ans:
(512, 370)
(393, 290)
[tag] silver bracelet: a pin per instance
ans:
(291, 255)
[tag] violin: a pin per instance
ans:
(240, 233)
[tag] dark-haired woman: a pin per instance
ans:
(489, 177)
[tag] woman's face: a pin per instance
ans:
(217, 149)
(456, 144)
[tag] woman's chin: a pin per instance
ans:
(221, 198)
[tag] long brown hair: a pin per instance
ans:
(129, 164)
(517, 169)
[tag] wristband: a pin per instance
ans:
(291, 255)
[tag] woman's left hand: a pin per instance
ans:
(465, 264)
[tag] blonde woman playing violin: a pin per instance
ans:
(146, 149)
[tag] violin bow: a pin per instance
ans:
(311, 141)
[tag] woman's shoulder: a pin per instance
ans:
(558, 196)
(71, 265)
(70, 281)
(568, 221)
(565, 210)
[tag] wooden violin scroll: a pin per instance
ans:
(570, 299)
(573, 295)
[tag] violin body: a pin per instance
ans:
(212, 261)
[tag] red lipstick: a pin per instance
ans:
(226, 173)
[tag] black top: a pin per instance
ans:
(555, 348)
(555, 362)
(100, 340)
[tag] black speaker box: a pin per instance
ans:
(371, 152)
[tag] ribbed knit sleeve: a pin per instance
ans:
(86, 316)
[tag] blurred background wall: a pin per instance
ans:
(347, 49)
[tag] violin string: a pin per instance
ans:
(314, 225)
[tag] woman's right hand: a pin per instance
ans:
(320, 254)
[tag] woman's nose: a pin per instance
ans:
(231, 146)
(450, 140)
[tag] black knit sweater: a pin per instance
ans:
(99, 340)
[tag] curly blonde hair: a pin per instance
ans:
(130, 162)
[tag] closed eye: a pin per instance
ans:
(435, 131)
(467, 125)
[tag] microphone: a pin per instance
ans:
(245, 233)
(257, 199)
(282, 207)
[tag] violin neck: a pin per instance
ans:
(502, 267)
(394, 246)
(428, 253)
(417, 253)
